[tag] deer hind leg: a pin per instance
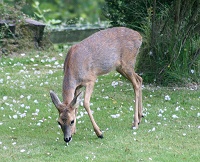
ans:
(88, 93)
(136, 81)
(140, 112)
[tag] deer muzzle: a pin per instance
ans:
(67, 133)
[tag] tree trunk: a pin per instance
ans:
(153, 28)
(176, 16)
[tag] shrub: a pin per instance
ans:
(171, 44)
(20, 37)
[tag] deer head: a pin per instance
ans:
(67, 115)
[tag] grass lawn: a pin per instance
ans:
(170, 130)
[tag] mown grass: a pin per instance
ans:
(29, 131)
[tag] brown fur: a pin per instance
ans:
(107, 50)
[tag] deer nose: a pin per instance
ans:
(67, 139)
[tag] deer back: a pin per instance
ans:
(102, 52)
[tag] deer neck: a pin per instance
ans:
(69, 87)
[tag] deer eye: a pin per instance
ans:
(72, 122)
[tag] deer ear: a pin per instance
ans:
(76, 101)
(55, 100)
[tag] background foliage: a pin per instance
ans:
(170, 29)
(15, 35)
(68, 11)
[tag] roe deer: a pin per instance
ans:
(110, 49)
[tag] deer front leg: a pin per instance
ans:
(73, 130)
(77, 92)
(88, 93)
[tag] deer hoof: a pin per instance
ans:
(135, 126)
(100, 136)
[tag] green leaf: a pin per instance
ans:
(38, 15)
